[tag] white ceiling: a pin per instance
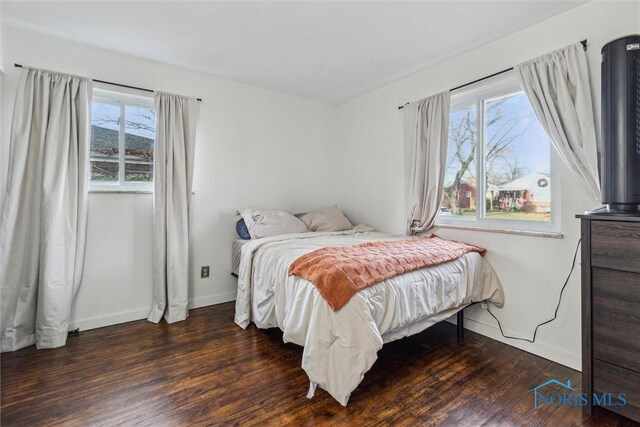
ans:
(330, 51)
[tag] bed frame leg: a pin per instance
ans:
(460, 316)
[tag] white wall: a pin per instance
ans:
(532, 269)
(255, 147)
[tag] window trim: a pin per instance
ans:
(491, 89)
(122, 99)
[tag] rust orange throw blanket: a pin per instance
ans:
(340, 272)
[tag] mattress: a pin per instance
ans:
(341, 346)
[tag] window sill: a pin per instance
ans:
(122, 191)
(119, 191)
(550, 234)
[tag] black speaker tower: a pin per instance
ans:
(620, 138)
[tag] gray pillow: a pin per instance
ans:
(271, 222)
(328, 219)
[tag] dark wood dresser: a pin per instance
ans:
(611, 310)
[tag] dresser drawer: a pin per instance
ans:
(616, 317)
(612, 379)
(615, 245)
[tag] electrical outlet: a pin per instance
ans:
(204, 271)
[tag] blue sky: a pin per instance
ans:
(100, 111)
(531, 148)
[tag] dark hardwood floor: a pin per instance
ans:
(209, 371)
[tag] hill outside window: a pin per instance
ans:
(122, 142)
(499, 169)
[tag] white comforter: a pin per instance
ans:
(340, 346)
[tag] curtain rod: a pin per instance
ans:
(115, 84)
(584, 46)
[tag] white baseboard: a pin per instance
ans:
(142, 313)
(547, 351)
(212, 299)
(110, 319)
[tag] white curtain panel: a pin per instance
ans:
(426, 132)
(558, 88)
(43, 223)
(176, 119)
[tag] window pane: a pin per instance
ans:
(518, 161)
(140, 131)
(460, 175)
(105, 119)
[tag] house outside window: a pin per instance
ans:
(500, 167)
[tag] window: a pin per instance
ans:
(122, 142)
(499, 162)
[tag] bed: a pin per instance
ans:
(341, 346)
(236, 255)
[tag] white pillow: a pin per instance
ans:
(271, 222)
(328, 219)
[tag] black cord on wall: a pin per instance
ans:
(555, 314)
